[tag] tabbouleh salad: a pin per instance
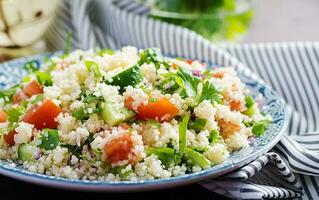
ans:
(125, 115)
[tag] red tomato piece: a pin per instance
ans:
(43, 116)
(118, 149)
(218, 75)
(227, 129)
(18, 97)
(9, 138)
(160, 110)
(33, 88)
(3, 116)
(189, 61)
(234, 105)
(128, 103)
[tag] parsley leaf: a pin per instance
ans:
(164, 154)
(214, 136)
(74, 149)
(185, 79)
(49, 139)
(198, 125)
(249, 101)
(38, 98)
(80, 114)
(6, 94)
(209, 92)
(148, 56)
(259, 128)
(32, 66)
(101, 52)
(44, 78)
(182, 128)
(15, 113)
(93, 66)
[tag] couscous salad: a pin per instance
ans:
(125, 115)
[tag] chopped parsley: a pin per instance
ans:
(49, 139)
(93, 66)
(259, 128)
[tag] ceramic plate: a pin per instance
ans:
(11, 72)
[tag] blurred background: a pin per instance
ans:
(23, 22)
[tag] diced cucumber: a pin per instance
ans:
(251, 110)
(131, 76)
(196, 158)
(113, 114)
(26, 152)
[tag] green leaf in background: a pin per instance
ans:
(214, 19)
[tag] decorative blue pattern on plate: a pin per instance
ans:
(11, 72)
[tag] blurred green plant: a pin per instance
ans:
(216, 20)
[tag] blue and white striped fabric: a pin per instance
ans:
(291, 170)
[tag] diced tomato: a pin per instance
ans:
(43, 116)
(128, 103)
(234, 105)
(160, 110)
(174, 66)
(124, 126)
(18, 97)
(189, 61)
(227, 128)
(9, 138)
(218, 75)
(118, 149)
(33, 88)
(3, 116)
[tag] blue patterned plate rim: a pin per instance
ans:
(272, 136)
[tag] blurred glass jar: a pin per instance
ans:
(22, 23)
(216, 20)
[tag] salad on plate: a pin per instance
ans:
(125, 115)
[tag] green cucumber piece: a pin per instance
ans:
(251, 110)
(196, 158)
(26, 152)
(130, 76)
(113, 114)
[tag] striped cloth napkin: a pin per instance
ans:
(291, 169)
